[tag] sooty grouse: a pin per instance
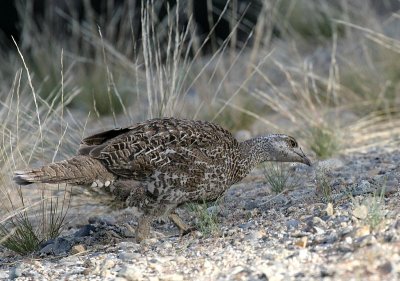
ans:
(160, 164)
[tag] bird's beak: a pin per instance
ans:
(304, 158)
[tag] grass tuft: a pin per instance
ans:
(376, 209)
(206, 216)
(373, 209)
(323, 185)
(279, 176)
(26, 229)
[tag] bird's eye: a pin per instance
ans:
(292, 143)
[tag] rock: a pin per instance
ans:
(325, 272)
(77, 249)
(250, 205)
(361, 212)
(348, 240)
(149, 242)
(345, 248)
(318, 230)
(156, 265)
(108, 263)
(130, 273)
(304, 254)
(385, 268)
(326, 239)
(128, 246)
(171, 277)
(362, 231)
(256, 235)
(85, 231)
(292, 224)
(341, 219)
(247, 225)
(106, 220)
(4, 275)
(318, 221)
(126, 256)
(56, 246)
(166, 245)
(329, 209)
(302, 242)
(363, 187)
(365, 241)
(16, 271)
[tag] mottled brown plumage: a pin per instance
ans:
(160, 164)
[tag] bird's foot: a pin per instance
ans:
(184, 229)
(187, 230)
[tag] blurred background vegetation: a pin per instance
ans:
(234, 61)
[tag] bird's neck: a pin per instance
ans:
(250, 156)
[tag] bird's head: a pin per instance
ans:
(279, 147)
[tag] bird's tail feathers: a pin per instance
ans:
(77, 170)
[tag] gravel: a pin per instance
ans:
(300, 234)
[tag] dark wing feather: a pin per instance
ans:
(97, 141)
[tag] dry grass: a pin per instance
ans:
(32, 215)
(323, 184)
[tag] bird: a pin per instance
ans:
(160, 164)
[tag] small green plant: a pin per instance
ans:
(323, 184)
(371, 209)
(323, 141)
(279, 176)
(27, 227)
(375, 206)
(206, 216)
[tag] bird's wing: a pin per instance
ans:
(169, 146)
(99, 140)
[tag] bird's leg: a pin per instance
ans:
(143, 228)
(183, 227)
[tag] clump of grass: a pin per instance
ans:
(17, 234)
(376, 213)
(323, 185)
(374, 209)
(324, 141)
(206, 219)
(24, 231)
(31, 216)
(279, 176)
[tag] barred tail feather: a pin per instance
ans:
(78, 170)
(28, 177)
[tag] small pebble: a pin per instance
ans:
(130, 273)
(77, 249)
(360, 212)
(302, 242)
(329, 209)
